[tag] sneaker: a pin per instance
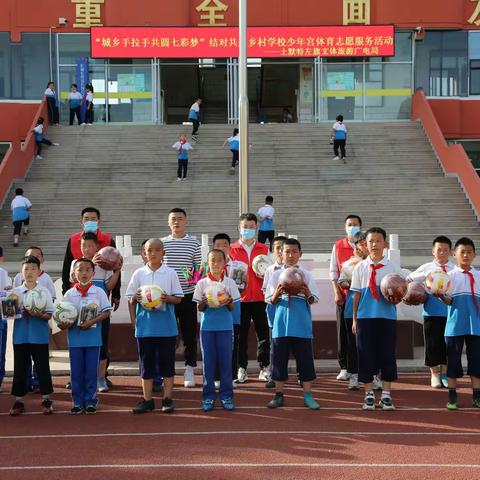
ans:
(102, 386)
(476, 403)
(208, 405)
(157, 387)
(17, 409)
(444, 380)
(179, 179)
(91, 410)
(369, 402)
(184, 178)
(68, 386)
(189, 377)
(38, 157)
(452, 405)
(242, 375)
(343, 375)
(217, 384)
(25, 231)
(386, 403)
(270, 384)
(276, 402)
(167, 405)
(353, 382)
(228, 404)
(55, 144)
(310, 402)
(109, 383)
(377, 384)
(144, 406)
(76, 410)
(47, 406)
(435, 380)
(264, 374)
(336, 158)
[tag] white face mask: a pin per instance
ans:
(352, 230)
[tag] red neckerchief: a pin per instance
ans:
(444, 268)
(41, 273)
(472, 288)
(182, 143)
(372, 284)
(82, 289)
(213, 279)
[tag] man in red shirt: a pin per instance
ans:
(252, 305)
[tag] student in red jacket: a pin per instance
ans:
(252, 305)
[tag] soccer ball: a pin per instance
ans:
(35, 301)
(109, 258)
(438, 282)
(393, 287)
(416, 294)
(151, 297)
(291, 279)
(216, 295)
(260, 264)
(65, 313)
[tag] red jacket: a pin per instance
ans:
(343, 252)
(104, 240)
(253, 292)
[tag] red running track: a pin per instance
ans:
(420, 440)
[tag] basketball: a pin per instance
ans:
(65, 313)
(416, 294)
(109, 258)
(260, 264)
(291, 279)
(438, 282)
(151, 297)
(216, 295)
(35, 301)
(393, 287)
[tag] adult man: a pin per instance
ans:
(183, 253)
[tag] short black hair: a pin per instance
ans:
(217, 250)
(84, 260)
(144, 242)
(279, 238)
(50, 83)
(376, 230)
(466, 242)
(292, 241)
(249, 217)
(222, 236)
(74, 85)
(339, 118)
(40, 120)
(90, 236)
(359, 237)
(19, 191)
(31, 259)
(177, 210)
(235, 131)
(348, 217)
(33, 247)
(92, 210)
(268, 199)
(1, 252)
(442, 239)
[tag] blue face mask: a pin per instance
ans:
(90, 226)
(351, 231)
(247, 233)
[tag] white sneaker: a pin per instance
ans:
(217, 384)
(353, 383)
(102, 386)
(242, 375)
(56, 144)
(189, 377)
(38, 157)
(264, 374)
(343, 375)
(436, 381)
(336, 158)
(179, 179)
(377, 384)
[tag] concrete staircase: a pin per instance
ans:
(392, 179)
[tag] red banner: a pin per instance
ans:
(222, 42)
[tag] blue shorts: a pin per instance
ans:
(302, 351)
(454, 355)
(157, 356)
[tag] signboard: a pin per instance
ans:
(222, 42)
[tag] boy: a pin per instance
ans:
(156, 330)
(435, 313)
(463, 322)
(5, 284)
(74, 101)
(266, 230)
(292, 328)
(85, 337)
(338, 137)
(374, 320)
(20, 207)
(194, 117)
(182, 147)
(30, 339)
(40, 139)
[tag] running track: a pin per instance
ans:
(421, 440)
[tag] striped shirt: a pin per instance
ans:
(181, 254)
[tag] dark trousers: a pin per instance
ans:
(186, 312)
(75, 112)
(264, 235)
(235, 334)
(45, 141)
(21, 358)
(3, 348)
(454, 355)
(52, 110)
(254, 311)
(352, 354)
(105, 338)
(89, 115)
(196, 125)
(302, 350)
(341, 144)
(435, 347)
(342, 338)
(182, 168)
(17, 226)
(234, 157)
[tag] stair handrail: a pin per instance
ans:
(453, 158)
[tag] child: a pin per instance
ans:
(89, 101)
(74, 101)
(85, 337)
(463, 322)
(156, 330)
(52, 102)
(40, 139)
(374, 320)
(20, 207)
(182, 147)
(216, 325)
(234, 144)
(359, 253)
(5, 284)
(339, 138)
(194, 117)
(266, 230)
(435, 313)
(30, 339)
(292, 328)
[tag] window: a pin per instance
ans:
(474, 59)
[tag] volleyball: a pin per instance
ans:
(348, 266)
(151, 297)
(416, 294)
(393, 287)
(291, 279)
(260, 264)
(216, 294)
(438, 282)
(35, 301)
(65, 313)
(109, 258)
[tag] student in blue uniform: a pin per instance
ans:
(20, 208)
(155, 330)
(338, 137)
(374, 321)
(234, 145)
(194, 117)
(292, 328)
(216, 327)
(266, 229)
(463, 322)
(182, 147)
(85, 337)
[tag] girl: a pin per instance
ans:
(182, 147)
(89, 101)
(339, 138)
(39, 138)
(52, 103)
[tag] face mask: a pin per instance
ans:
(351, 231)
(247, 233)
(90, 226)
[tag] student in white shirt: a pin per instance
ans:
(182, 147)
(20, 208)
(339, 138)
(5, 284)
(40, 139)
(52, 102)
(194, 117)
(74, 101)
(266, 230)
(89, 101)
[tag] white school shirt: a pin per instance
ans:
(100, 276)
(21, 201)
(49, 93)
(267, 211)
(268, 274)
(89, 97)
(165, 277)
(333, 270)
(5, 280)
(39, 129)
(43, 279)
(75, 95)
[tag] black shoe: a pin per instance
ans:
(76, 410)
(91, 410)
(68, 385)
(167, 405)
(109, 383)
(157, 387)
(270, 384)
(276, 402)
(144, 406)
